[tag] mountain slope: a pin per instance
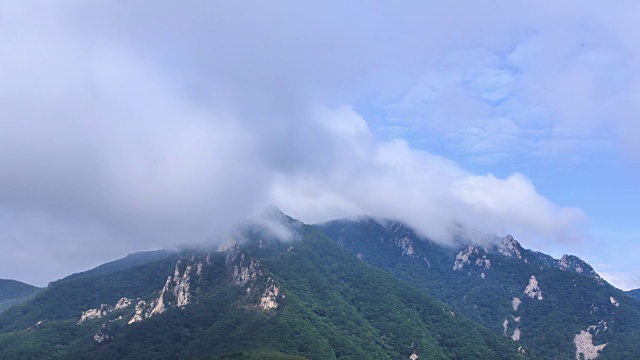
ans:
(262, 299)
(634, 294)
(558, 308)
(13, 292)
(67, 299)
(131, 260)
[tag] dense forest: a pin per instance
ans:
(14, 292)
(482, 281)
(342, 290)
(328, 305)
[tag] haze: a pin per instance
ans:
(136, 125)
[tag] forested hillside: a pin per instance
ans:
(13, 292)
(261, 299)
(557, 308)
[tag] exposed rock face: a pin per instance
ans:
(413, 356)
(402, 238)
(230, 250)
(614, 301)
(575, 264)
(37, 325)
(463, 257)
(176, 291)
(516, 335)
(246, 271)
(598, 279)
(181, 283)
(100, 336)
(103, 332)
(515, 303)
(199, 267)
(122, 303)
(604, 325)
(157, 305)
(269, 300)
(507, 247)
(533, 290)
(572, 263)
(139, 313)
(585, 346)
(104, 310)
(406, 245)
(510, 247)
(484, 262)
(95, 313)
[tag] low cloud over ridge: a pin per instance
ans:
(431, 193)
(119, 134)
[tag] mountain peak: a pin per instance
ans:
(273, 210)
(13, 292)
(480, 275)
(575, 264)
(271, 224)
(510, 247)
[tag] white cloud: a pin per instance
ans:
(433, 194)
(558, 76)
(131, 126)
(622, 280)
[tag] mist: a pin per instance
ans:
(128, 127)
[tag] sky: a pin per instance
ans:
(136, 125)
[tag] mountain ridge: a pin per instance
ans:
(307, 298)
(13, 292)
(524, 295)
(350, 289)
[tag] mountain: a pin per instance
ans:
(254, 298)
(558, 309)
(131, 260)
(634, 294)
(13, 292)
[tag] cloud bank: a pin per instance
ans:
(127, 127)
(433, 194)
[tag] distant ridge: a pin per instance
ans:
(131, 260)
(254, 298)
(14, 292)
(556, 308)
(280, 289)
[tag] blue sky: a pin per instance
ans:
(128, 127)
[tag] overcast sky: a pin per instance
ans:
(136, 125)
